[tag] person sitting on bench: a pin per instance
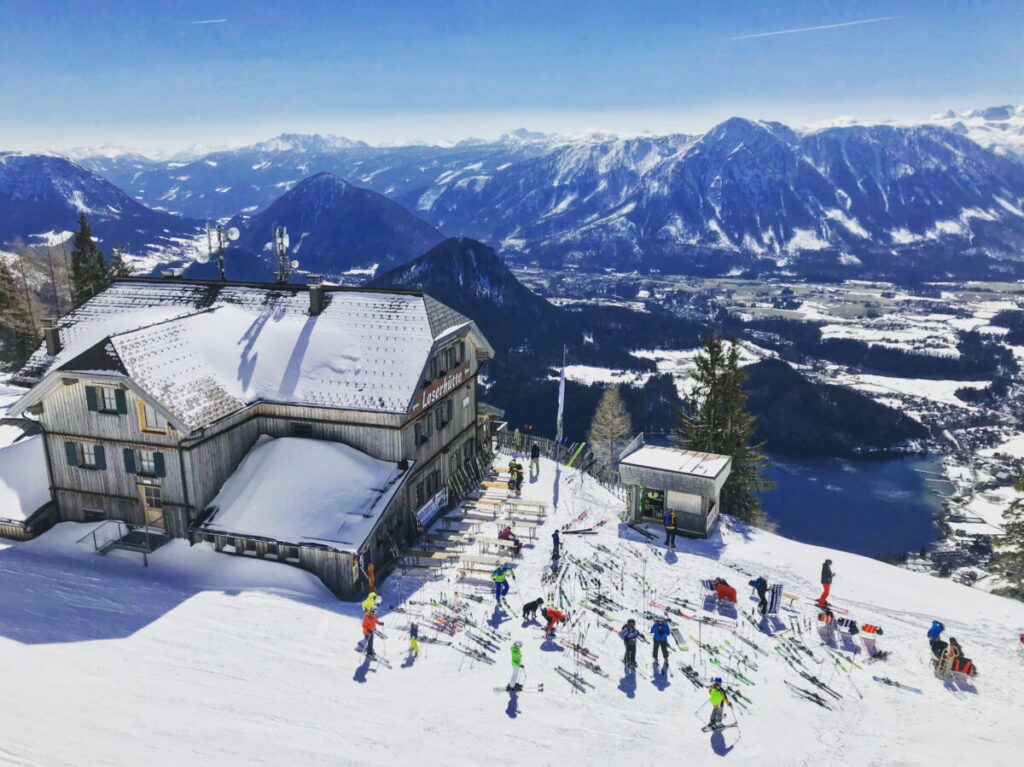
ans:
(507, 535)
(724, 591)
(961, 663)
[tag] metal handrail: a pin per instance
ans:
(122, 529)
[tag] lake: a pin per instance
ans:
(869, 507)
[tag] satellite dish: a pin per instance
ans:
(286, 241)
(233, 233)
(202, 257)
(295, 264)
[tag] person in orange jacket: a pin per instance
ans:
(553, 616)
(370, 624)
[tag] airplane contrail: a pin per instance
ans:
(814, 29)
(211, 21)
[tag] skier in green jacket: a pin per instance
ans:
(718, 701)
(517, 667)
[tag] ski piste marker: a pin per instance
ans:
(576, 454)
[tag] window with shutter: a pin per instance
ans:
(107, 399)
(146, 463)
(88, 456)
(129, 460)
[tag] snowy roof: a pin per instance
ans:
(677, 460)
(203, 351)
(306, 491)
(24, 483)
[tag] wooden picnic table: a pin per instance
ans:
(457, 519)
(484, 559)
(495, 485)
(498, 542)
(520, 503)
(527, 513)
(432, 558)
(528, 529)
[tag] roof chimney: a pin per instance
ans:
(316, 299)
(52, 335)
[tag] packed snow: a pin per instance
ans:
(300, 490)
(24, 482)
(203, 658)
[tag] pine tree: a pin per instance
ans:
(611, 427)
(90, 272)
(1010, 546)
(17, 329)
(716, 420)
(118, 266)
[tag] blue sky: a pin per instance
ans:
(142, 73)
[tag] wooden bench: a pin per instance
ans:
(495, 485)
(531, 514)
(491, 509)
(519, 503)
(461, 519)
(499, 543)
(525, 529)
(429, 558)
(484, 559)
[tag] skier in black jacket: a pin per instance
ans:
(826, 582)
(760, 585)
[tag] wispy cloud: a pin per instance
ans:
(211, 21)
(815, 29)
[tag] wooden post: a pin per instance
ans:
(369, 574)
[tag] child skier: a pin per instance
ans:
(370, 624)
(556, 545)
(500, 577)
(517, 667)
(826, 582)
(372, 602)
(718, 700)
(414, 639)
(629, 635)
(661, 632)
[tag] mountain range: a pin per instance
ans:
(913, 202)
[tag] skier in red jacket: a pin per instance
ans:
(370, 623)
(553, 616)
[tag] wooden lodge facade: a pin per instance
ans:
(152, 393)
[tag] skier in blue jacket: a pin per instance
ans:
(661, 632)
(629, 636)
(935, 631)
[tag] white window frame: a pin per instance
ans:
(107, 399)
(145, 462)
(87, 455)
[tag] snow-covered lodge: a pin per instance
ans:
(314, 425)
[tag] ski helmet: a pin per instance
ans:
(718, 680)
(631, 622)
(517, 643)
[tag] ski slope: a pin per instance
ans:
(209, 659)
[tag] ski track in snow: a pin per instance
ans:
(204, 658)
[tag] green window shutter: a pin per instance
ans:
(158, 465)
(92, 398)
(71, 453)
(129, 460)
(121, 400)
(101, 458)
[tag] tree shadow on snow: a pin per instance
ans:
(628, 683)
(512, 709)
(718, 744)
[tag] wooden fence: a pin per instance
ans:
(520, 445)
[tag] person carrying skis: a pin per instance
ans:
(760, 585)
(414, 639)
(556, 545)
(826, 582)
(552, 616)
(372, 602)
(718, 700)
(370, 624)
(629, 635)
(514, 684)
(500, 577)
(535, 458)
(669, 520)
(661, 632)
(507, 535)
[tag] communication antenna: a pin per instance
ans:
(284, 264)
(223, 237)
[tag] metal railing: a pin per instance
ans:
(520, 445)
(105, 534)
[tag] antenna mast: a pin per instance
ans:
(284, 264)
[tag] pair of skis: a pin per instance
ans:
(894, 683)
(808, 695)
(533, 688)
